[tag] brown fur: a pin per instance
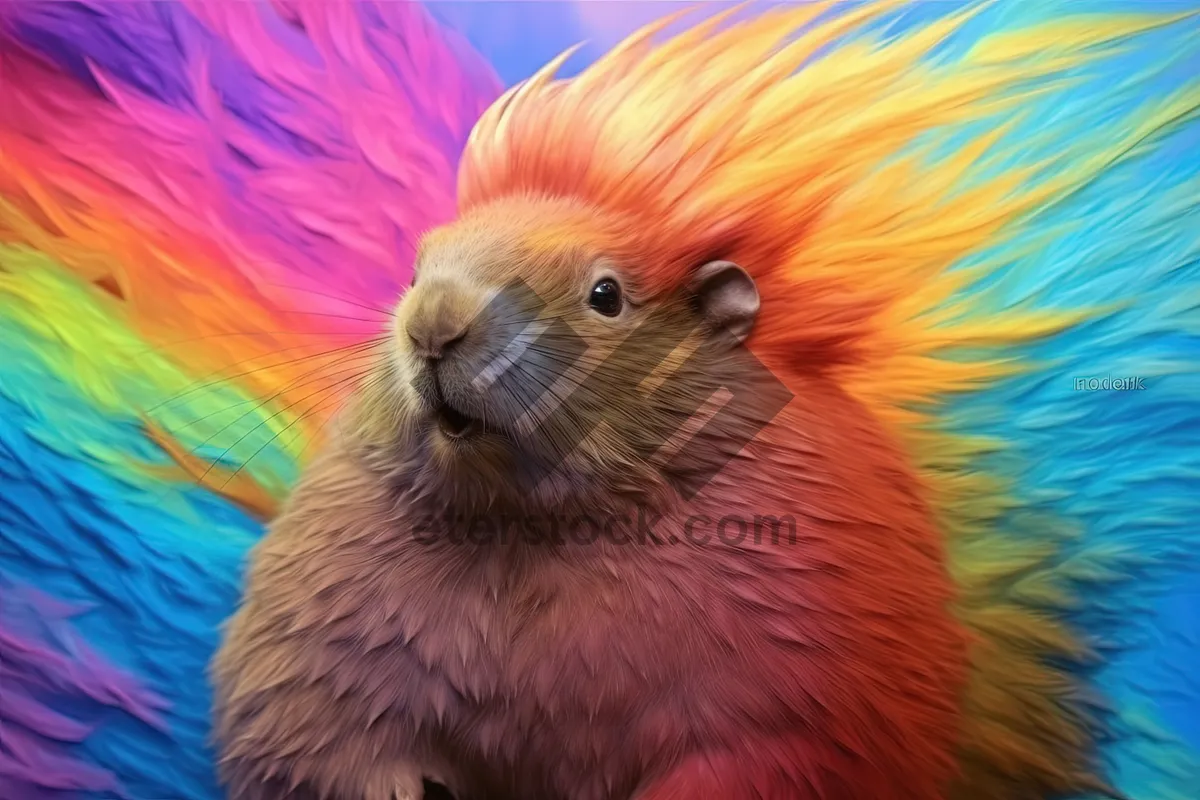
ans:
(363, 659)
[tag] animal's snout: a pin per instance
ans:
(472, 353)
(436, 337)
(442, 318)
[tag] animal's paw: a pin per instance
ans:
(413, 783)
(399, 783)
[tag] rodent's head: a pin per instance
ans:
(531, 366)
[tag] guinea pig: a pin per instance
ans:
(540, 557)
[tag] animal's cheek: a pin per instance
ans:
(392, 374)
(619, 457)
(402, 388)
(608, 443)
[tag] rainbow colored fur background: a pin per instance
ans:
(207, 209)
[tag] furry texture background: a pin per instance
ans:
(206, 207)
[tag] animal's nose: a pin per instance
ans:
(436, 337)
(440, 319)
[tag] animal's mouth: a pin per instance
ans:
(455, 424)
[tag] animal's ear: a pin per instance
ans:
(727, 298)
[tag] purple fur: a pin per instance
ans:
(44, 665)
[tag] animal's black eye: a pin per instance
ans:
(605, 297)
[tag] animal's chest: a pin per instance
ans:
(556, 708)
(531, 690)
(573, 682)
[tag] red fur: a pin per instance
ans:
(827, 669)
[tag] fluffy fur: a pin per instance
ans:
(367, 657)
(951, 280)
(850, 188)
(807, 179)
